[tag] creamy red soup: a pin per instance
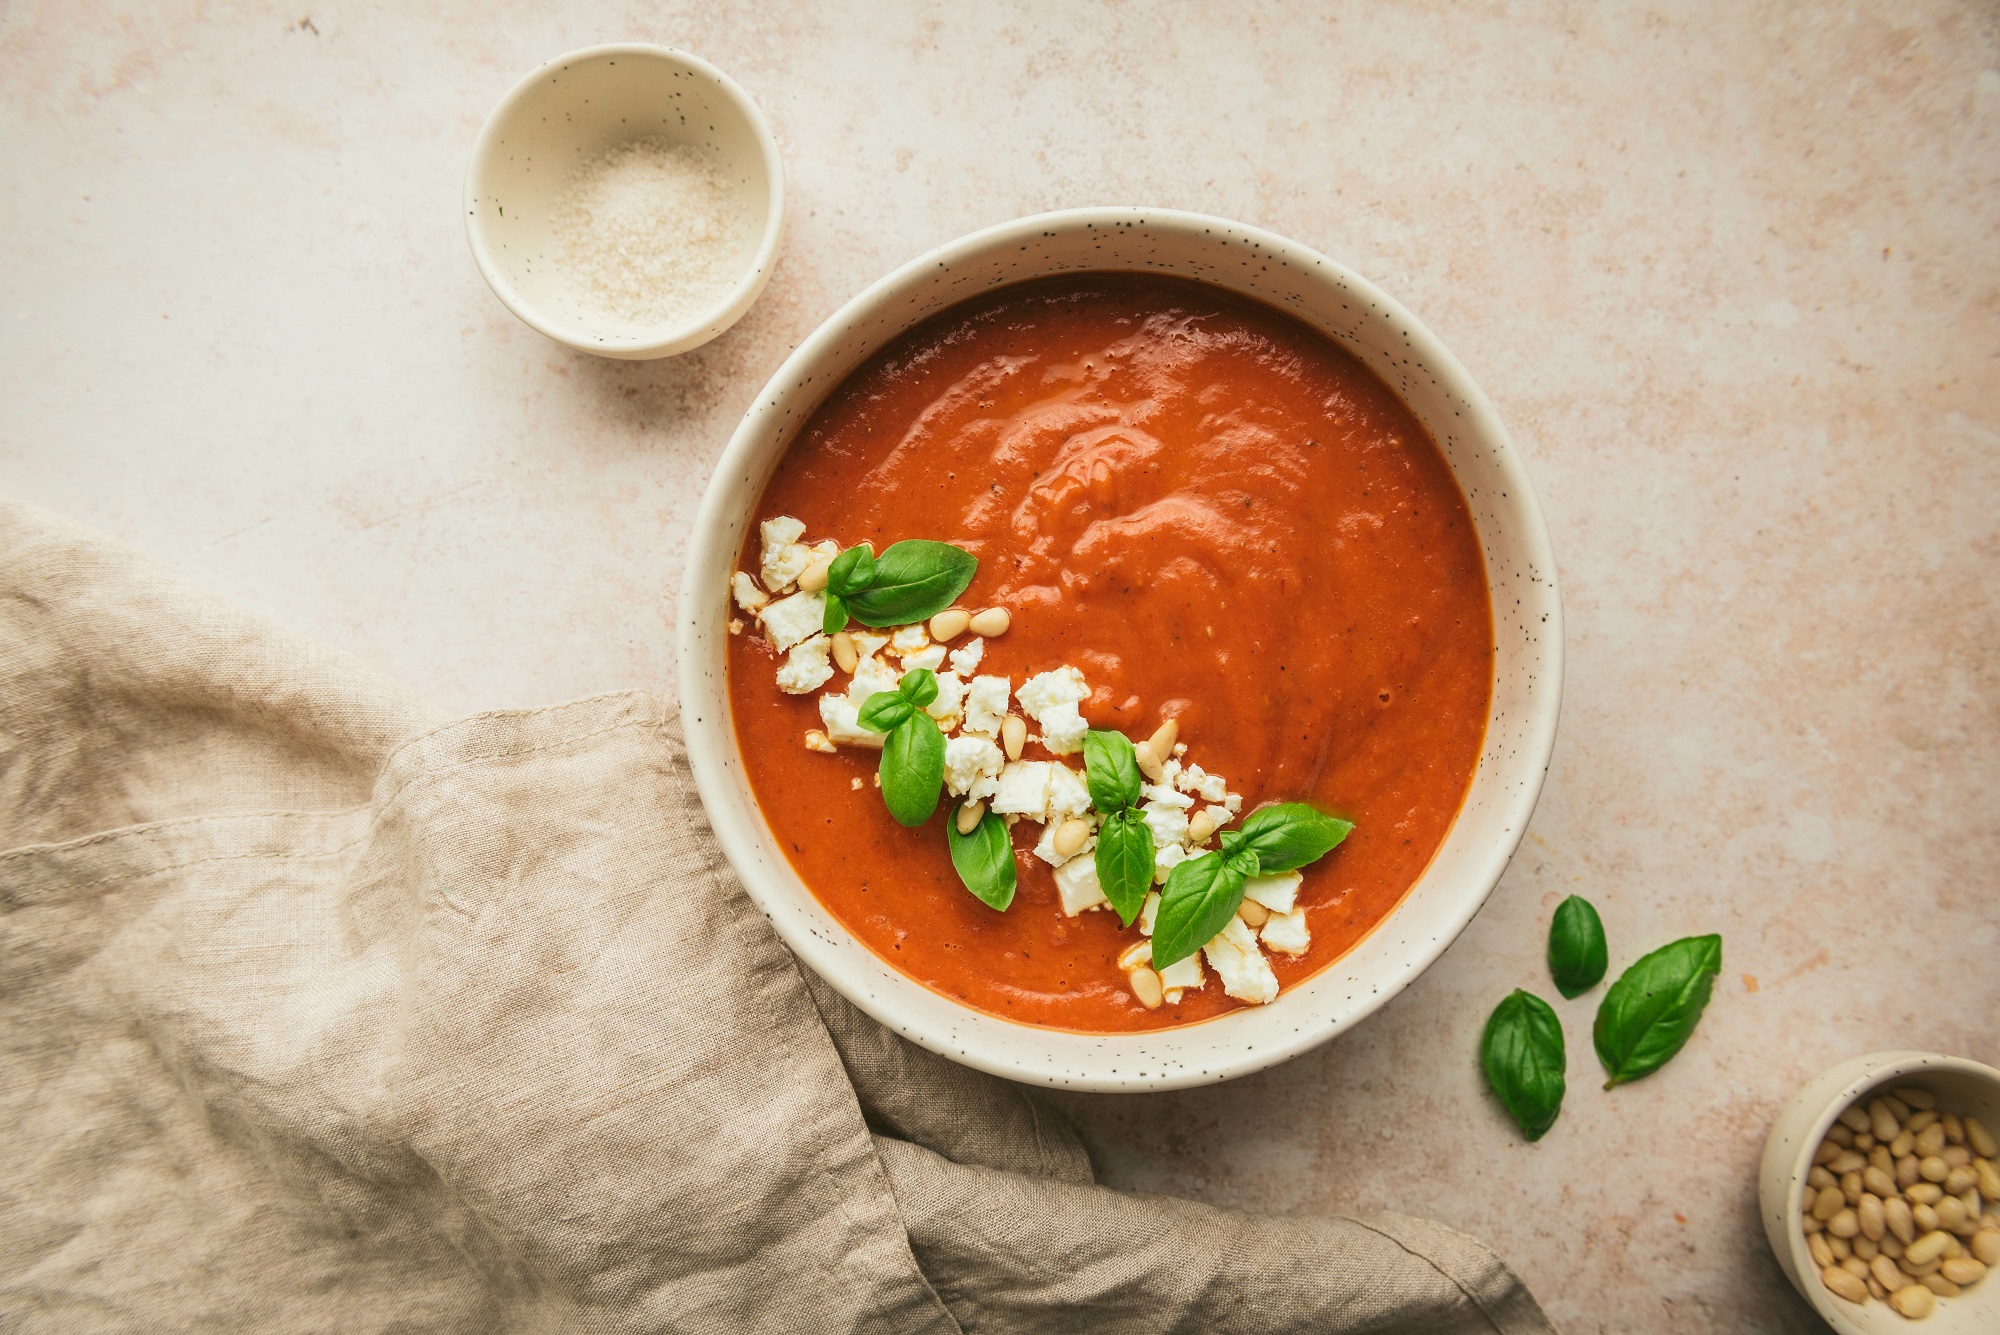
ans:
(1220, 517)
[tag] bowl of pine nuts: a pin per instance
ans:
(1880, 1191)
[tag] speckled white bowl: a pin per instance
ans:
(1961, 1086)
(1527, 616)
(567, 112)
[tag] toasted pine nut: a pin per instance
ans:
(1920, 1121)
(1896, 1214)
(1826, 1153)
(1850, 1161)
(1983, 1143)
(1844, 1224)
(1986, 1246)
(1841, 1249)
(1915, 1271)
(1841, 1135)
(993, 621)
(1881, 1122)
(1892, 1246)
(1915, 1302)
(1844, 1284)
(1886, 1274)
(1906, 1170)
(1897, 1108)
(1927, 1248)
(1959, 1179)
(1924, 1193)
(1828, 1204)
(1806, 1220)
(970, 814)
(1856, 1267)
(1822, 1254)
(1989, 1179)
(1879, 1157)
(1930, 1140)
(1853, 1118)
(1939, 1285)
(1864, 1140)
(1963, 1270)
(1877, 1181)
(1954, 1127)
(1139, 952)
(1865, 1247)
(1013, 735)
(1850, 1187)
(1146, 987)
(1905, 1141)
(1933, 1169)
(1950, 1214)
(1953, 1249)
(1253, 913)
(1163, 738)
(1869, 1212)
(1070, 836)
(949, 624)
(1149, 760)
(1921, 1099)
(1200, 829)
(1956, 1156)
(1817, 1177)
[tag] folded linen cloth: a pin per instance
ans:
(320, 1012)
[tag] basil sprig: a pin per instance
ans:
(1522, 1053)
(1203, 893)
(912, 581)
(1649, 1014)
(984, 860)
(912, 768)
(1124, 840)
(1577, 953)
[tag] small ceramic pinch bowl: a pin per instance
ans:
(1960, 1086)
(569, 112)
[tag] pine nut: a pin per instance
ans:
(1200, 829)
(1953, 1249)
(1959, 1180)
(1881, 1122)
(1817, 1177)
(1856, 1267)
(993, 621)
(1989, 1179)
(1924, 1193)
(1828, 1204)
(845, 656)
(1956, 1156)
(1933, 1169)
(1139, 952)
(1963, 1270)
(1921, 1099)
(1875, 1289)
(949, 624)
(1886, 1274)
(1892, 1246)
(1939, 1285)
(1897, 1108)
(1865, 1247)
(1849, 1162)
(1877, 1181)
(1983, 1143)
(1164, 737)
(1844, 1224)
(1841, 1249)
(1146, 987)
(1915, 1302)
(1905, 1141)
(1879, 1157)
(970, 814)
(1896, 1214)
(1850, 1187)
(1915, 1271)
(1826, 1153)
(1925, 1217)
(1149, 760)
(1013, 735)
(1906, 1170)
(1253, 913)
(1864, 1140)
(1844, 1284)
(1986, 1246)
(1822, 1254)
(1869, 1212)
(1927, 1248)
(1954, 1127)
(1930, 1140)
(1806, 1220)
(1853, 1118)
(1840, 1135)
(813, 578)
(1950, 1214)
(1920, 1121)
(1070, 836)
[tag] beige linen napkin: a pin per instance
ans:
(321, 1013)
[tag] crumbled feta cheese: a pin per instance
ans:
(736, 625)
(1077, 884)
(1045, 847)
(1183, 975)
(855, 783)
(1165, 796)
(966, 657)
(1149, 911)
(1277, 893)
(1287, 932)
(932, 658)
(1233, 801)
(842, 718)
(1063, 729)
(972, 766)
(826, 547)
(871, 677)
(1168, 823)
(782, 531)
(1045, 690)
(784, 558)
(1024, 789)
(1069, 791)
(1166, 857)
(986, 705)
(806, 668)
(1218, 815)
(945, 709)
(748, 596)
(819, 741)
(866, 642)
(792, 619)
(1245, 973)
(1209, 787)
(909, 639)
(1170, 770)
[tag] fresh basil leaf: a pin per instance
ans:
(1577, 954)
(1125, 861)
(1522, 1052)
(918, 686)
(1244, 863)
(1111, 768)
(1232, 841)
(912, 767)
(1288, 835)
(914, 579)
(835, 620)
(1650, 1012)
(851, 572)
(884, 711)
(1201, 897)
(984, 860)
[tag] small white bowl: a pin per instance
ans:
(1520, 569)
(1961, 1086)
(566, 113)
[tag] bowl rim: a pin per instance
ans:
(668, 340)
(710, 736)
(1848, 1081)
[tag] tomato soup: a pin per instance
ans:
(1220, 517)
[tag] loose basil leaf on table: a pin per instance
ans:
(1201, 897)
(912, 768)
(1649, 1014)
(1522, 1053)
(1577, 953)
(1125, 862)
(851, 572)
(1288, 835)
(1111, 768)
(914, 579)
(984, 860)
(884, 711)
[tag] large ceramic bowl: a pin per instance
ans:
(1527, 625)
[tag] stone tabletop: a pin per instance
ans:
(1728, 270)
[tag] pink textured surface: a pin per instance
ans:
(1728, 271)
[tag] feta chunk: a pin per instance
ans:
(1046, 690)
(871, 677)
(909, 639)
(1170, 770)
(748, 596)
(790, 620)
(1245, 973)
(1233, 801)
(945, 709)
(1287, 932)
(819, 741)
(806, 668)
(931, 658)
(1045, 847)
(972, 766)
(1166, 857)
(1166, 796)
(1023, 789)
(1148, 911)
(1168, 823)
(1062, 729)
(1209, 787)
(986, 705)
(785, 559)
(842, 718)
(1069, 791)
(966, 657)
(1077, 884)
(1183, 975)
(1277, 893)
(867, 643)
(782, 531)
